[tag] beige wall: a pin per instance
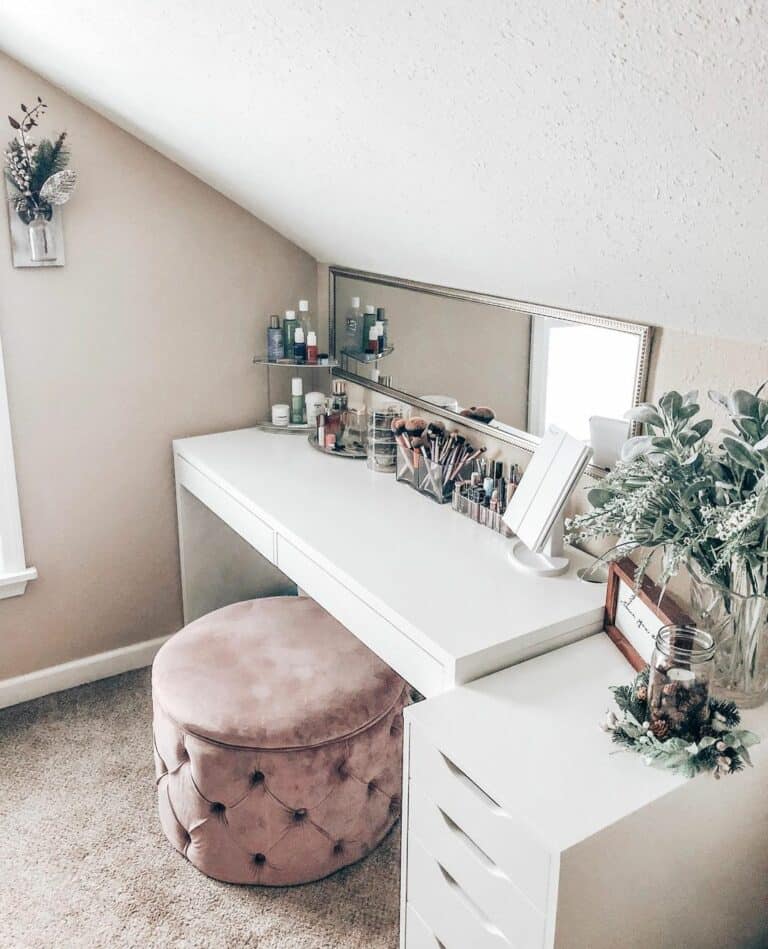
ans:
(147, 334)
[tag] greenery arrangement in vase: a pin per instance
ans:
(702, 507)
(39, 178)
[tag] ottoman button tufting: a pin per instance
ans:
(277, 681)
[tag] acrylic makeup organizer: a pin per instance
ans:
(430, 478)
(381, 444)
(477, 512)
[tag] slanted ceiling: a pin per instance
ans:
(607, 156)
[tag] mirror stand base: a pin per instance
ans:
(542, 565)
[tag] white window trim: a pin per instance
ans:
(14, 572)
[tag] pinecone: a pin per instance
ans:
(660, 728)
(641, 693)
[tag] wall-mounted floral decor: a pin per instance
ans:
(39, 182)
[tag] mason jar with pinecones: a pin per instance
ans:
(678, 683)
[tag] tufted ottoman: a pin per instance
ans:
(278, 743)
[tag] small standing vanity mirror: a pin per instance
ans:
(454, 351)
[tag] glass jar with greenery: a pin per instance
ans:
(703, 507)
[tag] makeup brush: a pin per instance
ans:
(436, 428)
(415, 426)
(398, 428)
(468, 459)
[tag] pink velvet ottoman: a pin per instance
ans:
(278, 743)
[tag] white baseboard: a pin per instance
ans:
(70, 674)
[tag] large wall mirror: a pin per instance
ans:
(461, 352)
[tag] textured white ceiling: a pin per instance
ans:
(607, 156)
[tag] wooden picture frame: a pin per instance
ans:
(634, 617)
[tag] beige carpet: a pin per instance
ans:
(83, 861)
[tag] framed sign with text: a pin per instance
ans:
(633, 617)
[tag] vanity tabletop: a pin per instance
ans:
(441, 579)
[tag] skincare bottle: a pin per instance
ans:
(321, 429)
(289, 329)
(379, 336)
(304, 320)
(381, 317)
(275, 348)
(299, 346)
(353, 327)
(312, 348)
(373, 340)
(368, 320)
(297, 401)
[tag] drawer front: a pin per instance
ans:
(484, 882)
(407, 658)
(250, 527)
(508, 841)
(417, 934)
(448, 912)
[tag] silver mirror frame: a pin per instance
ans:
(517, 437)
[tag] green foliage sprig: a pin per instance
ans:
(697, 503)
(719, 746)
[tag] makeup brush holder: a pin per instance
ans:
(475, 511)
(434, 480)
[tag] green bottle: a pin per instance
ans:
(289, 333)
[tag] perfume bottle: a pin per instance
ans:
(275, 348)
(289, 330)
(297, 401)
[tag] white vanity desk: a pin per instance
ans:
(426, 589)
(520, 829)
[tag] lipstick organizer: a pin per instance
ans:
(462, 503)
(427, 477)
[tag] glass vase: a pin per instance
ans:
(737, 620)
(42, 245)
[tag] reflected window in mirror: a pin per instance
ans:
(579, 371)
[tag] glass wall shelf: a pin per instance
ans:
(292, 364)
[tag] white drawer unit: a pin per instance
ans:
(524, 829)
(497, 837)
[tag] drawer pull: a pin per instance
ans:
(470, 784)
(481, 856)
(472, 906)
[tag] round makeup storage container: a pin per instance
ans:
(381, 444)
(678, 684)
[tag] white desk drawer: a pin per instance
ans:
(484, 882)
(408, 659)
(507, 840)
(447, 911)
(249, 526)
(417, 934)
